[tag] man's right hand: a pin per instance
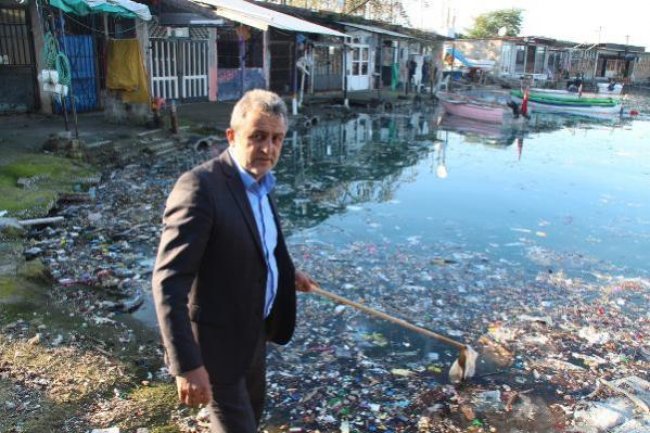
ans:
(194, 387)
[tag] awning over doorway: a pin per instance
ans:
(374, 29)
(122, 8)
(262, 18)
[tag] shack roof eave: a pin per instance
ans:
(191, 7)
(375, 29)
(257, 16)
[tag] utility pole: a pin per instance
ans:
(421, 14)
(600, 29)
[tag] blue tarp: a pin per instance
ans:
(461, 57)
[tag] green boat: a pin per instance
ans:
(565, 98)
(568, 103)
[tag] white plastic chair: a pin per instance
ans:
(443, 83)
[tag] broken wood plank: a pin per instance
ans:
(41, 221)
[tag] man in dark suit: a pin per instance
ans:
(224, 283)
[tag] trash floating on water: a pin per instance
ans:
(550, 333)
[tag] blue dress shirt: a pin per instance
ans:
(257, 193)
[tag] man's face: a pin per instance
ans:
(257, 142)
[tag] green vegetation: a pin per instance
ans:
(166, 429)
(8, 288)
(20, 282)
(153, 404)
(88, 365)
(490, 24)
(43, 178)
(63, 362)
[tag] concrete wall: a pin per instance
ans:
(267, 59)
(117, 111)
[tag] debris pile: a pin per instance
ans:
(562, 340)
(546, 344)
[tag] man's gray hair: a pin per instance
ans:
(262, 100)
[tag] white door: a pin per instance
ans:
(164, 69)
(179, 69)
(194, 74)
(358, 67)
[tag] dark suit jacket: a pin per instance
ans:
(209, 281)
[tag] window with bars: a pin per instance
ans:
(15, 42)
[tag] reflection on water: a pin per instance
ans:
(339, 164)
(441, 164)
(482, 132)
(473, 177)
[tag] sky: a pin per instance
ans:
(573, 20)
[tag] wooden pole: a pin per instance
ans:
(40, 221)
(63, 104)
(72, 101)
(388, 317)
(345, 74)
(242, 62)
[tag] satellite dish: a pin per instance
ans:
(502, 31)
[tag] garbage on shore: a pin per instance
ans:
(547, 341)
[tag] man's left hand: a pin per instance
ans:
(304, 283)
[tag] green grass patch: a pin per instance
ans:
(153, 404)
(24, 289)
(160, 395)
(19, 202)
(35, 271)
(50, 417)
(49, 175)
(166, 429)
(8, 287)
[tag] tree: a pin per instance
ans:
(487, 25)
(389, 11)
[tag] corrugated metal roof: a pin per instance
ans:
(188, 19)
(262, 18)
(123, 8)
(374, 29)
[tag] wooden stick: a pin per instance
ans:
(38, 221)
(393, 319)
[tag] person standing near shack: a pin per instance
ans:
(224, 283)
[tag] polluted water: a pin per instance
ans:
(527, 244)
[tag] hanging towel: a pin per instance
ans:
(126, 72)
